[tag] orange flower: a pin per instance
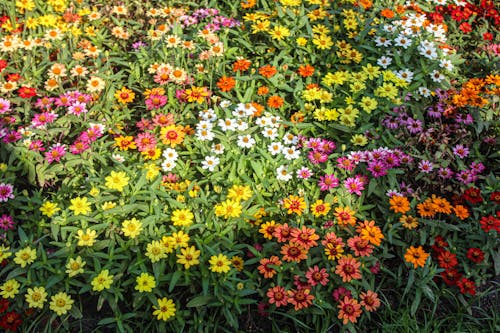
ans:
(461, 212)
(399, 204)
(267, 71)
(225, 83)
(248, 4)
(172, 135)
(294, 204)
(125, 142)
(416, 256)
(312, 86)
(258, 109)
(297, 117)
(264, 268)
(349, 311)
(348, 268)
(345, 216)
(306, 70)
(241, 65)
(306, 237)
(441, 205)
(426, 209)
(366, 4)
(293, 252)
(196, 94)
(275, 101)
(263, 91)
(369, 231)
(387, 13)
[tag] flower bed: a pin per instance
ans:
(255, 166)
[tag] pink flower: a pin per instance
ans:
(354, 185)
(77, 108)
(6, 192)
(317, 276)
(37, 145)
(79, 147)
(328, 182)
(6, 222)
(304, 173)
(55, 153)
(40, 119)
(156, 102)
(4, 106)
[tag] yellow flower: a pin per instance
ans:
(228, 209)
(80, 206)
(94, 191)
(75, 266)
(49, 208)
(323, 42)
(359, 140)
(279, 32)
(368, 104)
(239, 192)
(219, 263)
(145, 283)
(182, 217)
(102, 281)
(124, 95)
(132, 228)
(188, 257)
(320, 208)
(108, 205)
(4, 253)
(36, 297)
(117, 180)
(238, 263)
(152, 170)
(86, 238)
(9, 289)
(165, 309)
(155, 251)
(301, 41)
(180, 239)
(25, 256)
(61, 303)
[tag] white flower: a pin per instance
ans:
(382, 41)
(384, 61)
(290, 139)
(291, 153)
(204, 135)
(405, 74)
(210, 163)
(283, 174)
(118, 157)
(225, 104)
(275, 121)
(208, 115)
(436, 76)
(227, 124)
(204, 124)
(275, 148)
(244, 110)
(168, 165)
(446, 64)
(241, 125)
(245, 141)
(429, 52)
(262, 121)
(423, 91)
(217, 148)
(170, 154)
(270, 132)
(389, 28)
(402, 41)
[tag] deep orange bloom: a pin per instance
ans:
(399, 204)
(263, 91)
(441, 205)
(301, 298)
(293, 252)
(348, 268)
(268, 71)
(306, 70)
(225, 83)
(345, 216)
(387, 13)
(258, 109)
(416, 256)
(306, 237)
(275, 101)
(264, 268)
(278, 296)
(426, 209)
(248, 4)
(241, 65)
(349, 311)
(461, 212)
(370, 300)
(297, 117)
(369, 231)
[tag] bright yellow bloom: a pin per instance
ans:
(155, 251)
(359, 140)
(165, 309)
(86, 238)
(102, 281)
(295, 204)
(61, 303)
(124, 95)
(117, 181)
(25, 256)
(239, 193)
(132, 228)
(180, 239)
(260, 26)
(279, 32)
(152, 170)
(322, 42)
(320, 208)
(9, 289)
(188, 257)
(301, 41)
(108, 205)
(75, 266)
(36, 297)
(49, 208)
(182, 217)
(228, 209)
(80, 206)
(219, 263)
(145, 283)
(4, 253)
(368, 104)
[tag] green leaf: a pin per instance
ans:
(200, 300)
(416, 302)
(173, 281)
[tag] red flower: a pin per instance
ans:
(14, 77)
(473, 195)
(439, 244)
(467, 286)
(278, 296)
(490, 223)
(475, 255)
(4, 305)
(488, 36)
(3, 64)
(495, 197)
(447, 259)
(315, 275)
(26, 92)
(465, 27)
(340, 293)
(11, 321)
(451, 276)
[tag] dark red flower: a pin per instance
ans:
(467, 286)
(14, 77)
(465, 27)
(439, 244)
(4, 305)
(11, 321)
(340, 293)
(488, 36)
(26, 92)
(451, 276)
(473, 195)
(475, 254)
(490, 223)
(495, 197)
(447, 259)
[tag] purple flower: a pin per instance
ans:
(445, 173)
(461, 151)
(425, 166)
(138, 45)
(477, 167)
(465, 176)
(6, 192)
(377, 168)
(6, 222)
(414, 125)
(12, 136)
(390, 123)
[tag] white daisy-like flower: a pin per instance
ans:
(402, 41)
(204, 124)
(245, 141)
(270, 133)
(118, 157)
(290, 139)
(382, 41)
(262, 121)
(241, 125)
(208, 115)
(225, 104)
(437, 76)
(210, 163)
(227, 124)
(204, 135)
(217, 148)
(405, 74)
(275, 148)
(290, 153)
(244, 110)
(423, 91)
(283, 174)
(384, 61)
(170, 154)
(446, 64)
(168, 165)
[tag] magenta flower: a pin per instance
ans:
(156, 102)
(6, 222)
(317, 157)
(12, 136)
(354, 185)
(55, 153)
(377, 168)
(4, 106)
(345, 163)
(340, 293)
(461, 151)
(37, 145)
(445, 173)
(77, 108)
(425, 166)
(40, 119)
(79, 147)
(304, 173)
(44, 103)
(328, 182)
(6, 192)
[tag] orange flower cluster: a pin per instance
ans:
(473, 91)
